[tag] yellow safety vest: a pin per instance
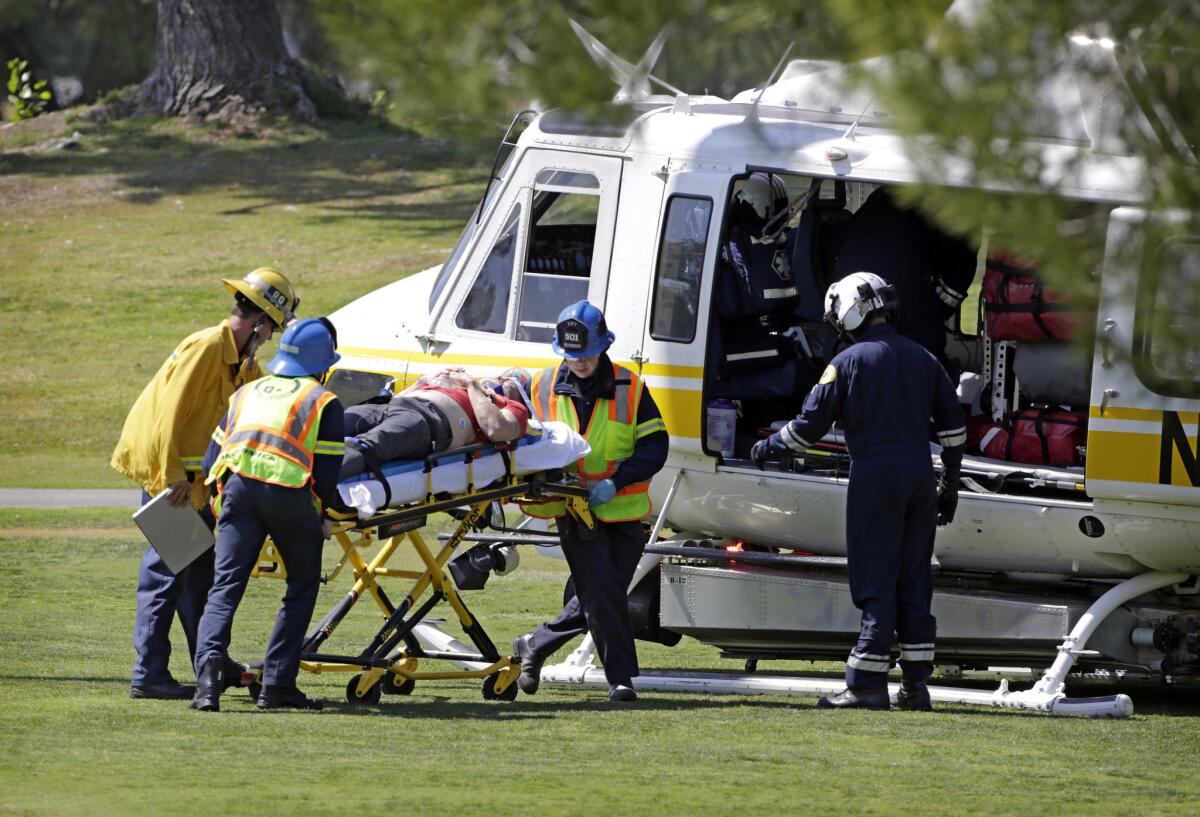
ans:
(271, 431)
(612, 433)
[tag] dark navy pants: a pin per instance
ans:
(602, 568)
(251, 511)
(161, 595)
(891, 517)
(403, 429)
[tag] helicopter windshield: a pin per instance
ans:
(506, 149)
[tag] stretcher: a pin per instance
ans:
(394, 660)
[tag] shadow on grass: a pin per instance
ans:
(442, 708)
(347, 168)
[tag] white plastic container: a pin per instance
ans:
(721, 422)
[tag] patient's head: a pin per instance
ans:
(511, 391)
(507, 388)
(515, 381)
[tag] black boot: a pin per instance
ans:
(531, 665)
(210, 681)
(172, 690)
(913, 696)
(277, 697)
(233, 672)
(622, 693)
(856, 699)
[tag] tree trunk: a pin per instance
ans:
(218, 56)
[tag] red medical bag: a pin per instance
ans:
(1036, 436)
(1019, 307)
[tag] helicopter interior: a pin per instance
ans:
(1025, 396)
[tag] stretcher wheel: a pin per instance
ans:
(390, 686)
(369, 699)
(490, 693)
(254, 688)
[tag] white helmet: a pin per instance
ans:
(764, 192)
(850, 301)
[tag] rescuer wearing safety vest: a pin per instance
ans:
(275, 462)
(617, 415)
(884, 389)
(161, 446)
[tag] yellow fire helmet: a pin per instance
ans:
(269, 290)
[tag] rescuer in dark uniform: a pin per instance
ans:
(930, 269)
(611, 406)
(884, 389)
(275, 459)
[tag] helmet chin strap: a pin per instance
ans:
(253, 340)
(533, 420)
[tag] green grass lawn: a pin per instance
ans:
(76, 744)
(112, 253)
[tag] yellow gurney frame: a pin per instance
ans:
(392, 661)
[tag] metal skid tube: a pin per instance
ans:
(739, 684)
(1047, 695)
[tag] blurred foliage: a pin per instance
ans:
(972, 84)
(473, 61)
(27, 97)
(105, 43)
(980, 89)
(18, 12)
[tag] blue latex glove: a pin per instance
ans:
(603, 491)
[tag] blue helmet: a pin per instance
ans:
(306, 347)
(581, 331)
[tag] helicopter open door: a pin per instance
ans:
(675, 328)
(1143, 427)
(549, 245)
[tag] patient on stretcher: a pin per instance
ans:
(448, 410)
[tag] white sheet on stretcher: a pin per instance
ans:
(556, 447)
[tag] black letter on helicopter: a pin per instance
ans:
(1175, 438)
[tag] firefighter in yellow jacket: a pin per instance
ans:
(612, 407)
(161, 447)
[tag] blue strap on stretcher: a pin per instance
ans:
(447, 457)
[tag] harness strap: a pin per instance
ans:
(1036, 300)
(375, 469)
(1040, 430)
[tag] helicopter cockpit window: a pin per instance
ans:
(485, 308)
(680, 263)
(1167, 350)
(558, 263)
(566, 178)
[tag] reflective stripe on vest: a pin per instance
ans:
(612, 433)
(271, 431)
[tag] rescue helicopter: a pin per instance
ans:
(1084, 560)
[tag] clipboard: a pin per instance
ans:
(178, 533)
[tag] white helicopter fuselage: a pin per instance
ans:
(636, 180)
